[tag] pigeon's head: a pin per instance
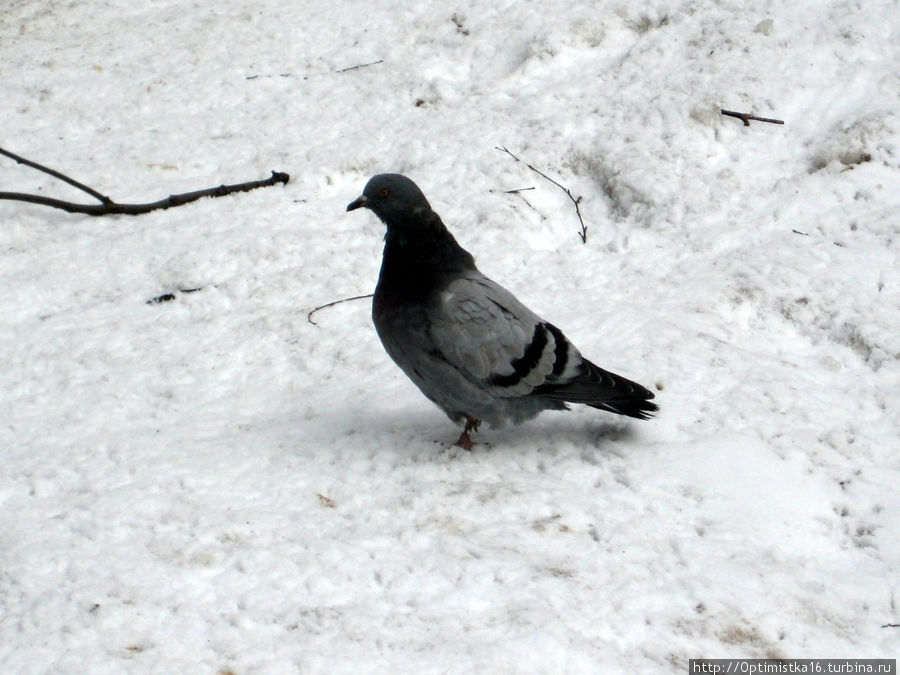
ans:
(392, 197)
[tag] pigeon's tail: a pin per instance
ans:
(604, 390)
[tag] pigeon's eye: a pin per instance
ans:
(384, 192)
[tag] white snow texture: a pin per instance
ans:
(216, 485)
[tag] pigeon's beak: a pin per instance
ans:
(360, 201)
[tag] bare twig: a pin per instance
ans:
(256, 77)
(746, 117)
(107, 206)
(56, 174)
(168, 297)
(574, 200)
(891, 625)
(513, 192)
(332, 304)
(361, 65)
(522, 197)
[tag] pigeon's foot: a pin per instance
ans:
(465, 441)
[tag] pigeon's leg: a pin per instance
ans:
(465, 441)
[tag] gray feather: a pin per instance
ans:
(483, 330)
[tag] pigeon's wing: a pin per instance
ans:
(505, 348)
(496, 341)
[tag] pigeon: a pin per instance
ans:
(465, 341)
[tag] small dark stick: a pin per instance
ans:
(168, 297)
(56, 174)
(746, 117)
(361, 65)
(107, 206)
(332, 304)
(575, 201)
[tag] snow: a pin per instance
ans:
(214, 484)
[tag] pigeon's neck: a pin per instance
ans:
(420, 256)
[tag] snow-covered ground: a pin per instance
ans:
(216, 485)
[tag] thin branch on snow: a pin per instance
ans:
(746, 117)
(361, 65)
(108, 207)
(256, 77)
(168, 297)
(519, 192)
(513, 192)
(332, 304)
(575, 201)
(56, 174)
